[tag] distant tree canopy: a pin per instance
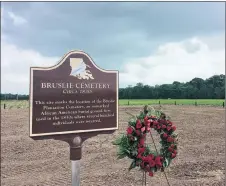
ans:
(14, 97)
(197, 88)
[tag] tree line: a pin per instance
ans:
(10, 96)
(197, 88)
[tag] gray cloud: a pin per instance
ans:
(132, 37)
(110, 28)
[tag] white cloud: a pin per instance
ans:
(178, 61)
(15, 67)
(17, 20)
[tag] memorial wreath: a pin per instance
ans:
(133, 145)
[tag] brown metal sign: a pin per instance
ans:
(74, 96)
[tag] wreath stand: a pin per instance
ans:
(144, 178)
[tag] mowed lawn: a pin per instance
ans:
(9, 104)
(215, 102)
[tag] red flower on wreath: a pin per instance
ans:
(141, 150)
(168, 128)
(165, 135)
(173, 155)
(129, 130)
(152, 163)
(142, 141)
(174, 128)
(158, 161)
(151, 174)
(162, 121)
(155, 123)
(150, 157)
(138, 124)
(170, 149)
(145, 159)
(142, 164)
(138, 132)
(148, 129)
(146, 121)
(143, 129)
(170, 139)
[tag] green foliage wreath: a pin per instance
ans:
(132, 144)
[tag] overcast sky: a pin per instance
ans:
(147, 42)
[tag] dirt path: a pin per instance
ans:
(200, 160)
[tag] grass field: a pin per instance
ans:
(215, 102)
(15, 104)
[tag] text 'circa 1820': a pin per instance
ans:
(74, 96)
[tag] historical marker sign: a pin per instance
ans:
(74, 96)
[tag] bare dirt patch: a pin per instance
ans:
(200, 159)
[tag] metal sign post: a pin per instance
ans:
(75, 173)
(75, 143)
(75, 156)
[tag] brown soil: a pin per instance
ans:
(200, 160)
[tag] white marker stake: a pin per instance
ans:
(75, 172)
